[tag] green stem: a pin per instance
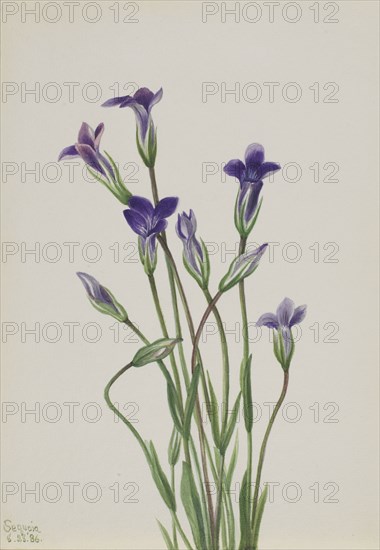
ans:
(264, 444)
(226, 366)
(244, 318)
(165, 333)
(156, 198)
(202, 436)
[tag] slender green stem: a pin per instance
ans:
(198, 334)
(244, 318)
(165, 333)
(226, 366)
(243, 305)
(175, 540)
(202, 436)
(225, 402)
(156, 198)
(265, 441)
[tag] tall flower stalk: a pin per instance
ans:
(203, 488)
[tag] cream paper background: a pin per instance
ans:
(172, 47)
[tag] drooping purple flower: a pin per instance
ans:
(88, 149)
(102, 298)
(195, 255)
(148, 221)
(283, 320)
(250, 176)
(142, 103)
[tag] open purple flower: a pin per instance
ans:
(101, 298)
(142, 103)
(103, 169)
(250, 176)
(195, 256)
(148, 221)
(282, 321)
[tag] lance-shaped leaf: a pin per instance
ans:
(192, 504)
(156, 351)
(226, 436)
(246, 389)
(161, 480)
(213, 414)
(258, 516)
(166, 536)
(232, 465)
(241, 267)
(174, 447)
(245, 520)
(174, 406)
(190, 402)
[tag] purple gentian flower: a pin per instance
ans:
(142, 103)
(250, 176)
(102, 298)
(195, 256)
(282, 321)
(87, 148)
(148, 221)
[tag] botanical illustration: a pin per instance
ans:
(198, 454)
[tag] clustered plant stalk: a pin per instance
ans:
(208, 459)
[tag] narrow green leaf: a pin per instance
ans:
(214, 413)
(245, 520)
(190, 402)
(174, 447)
(246, 389)
(166, 537)
(173, 406)
(232, 465)
(226, 437)
(258, 516)
(161, 480)
(192, 505)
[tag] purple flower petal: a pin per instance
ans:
(143, 206)
(285, 312)
(159, 227)
(268, 168)
(298, 315)
(186, 226)
(249, 193)
(155, 99)
(144, 96)
(86, 135)
(95, 290)
(142, 116)
(114, 101)
(235, 168)
(286, 335)
(268, 320)
(70, 151)
(89, 156)
(98, 135)
(166, 207)
(136, 222)
(254, 155)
